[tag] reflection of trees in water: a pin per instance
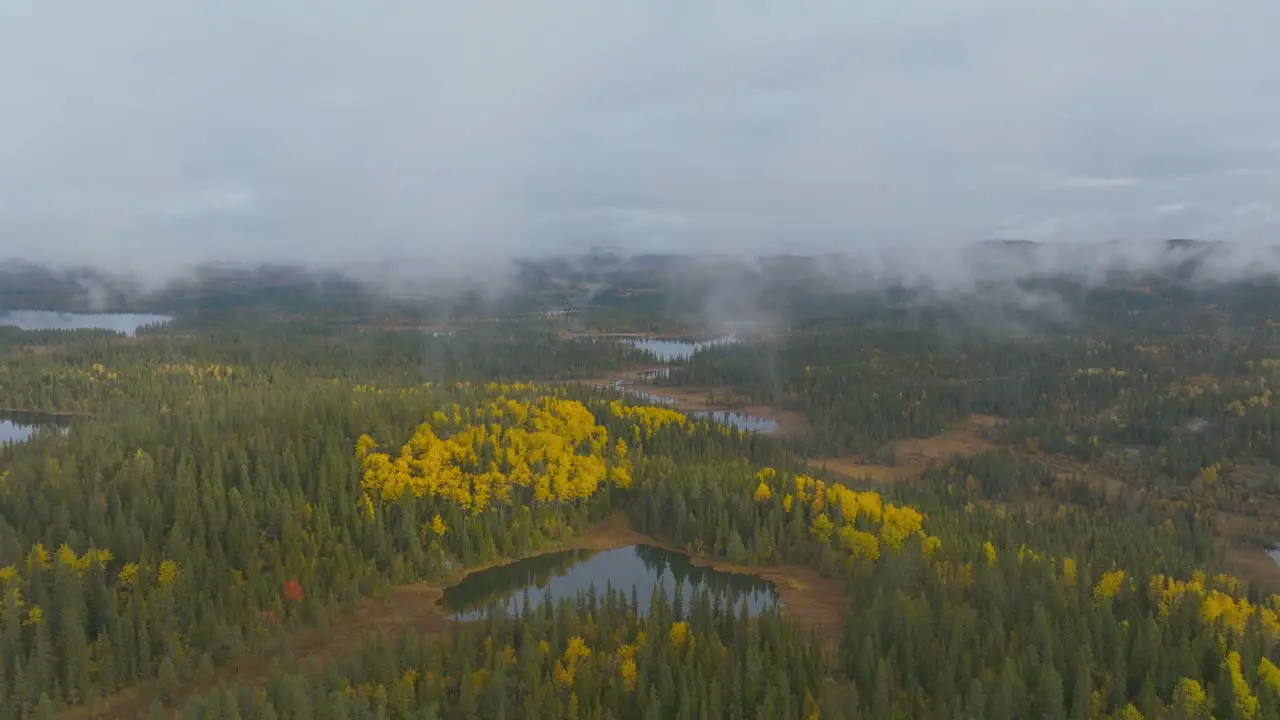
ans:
(524, 585)
(684, 572)
(536, 572)
(700, 605)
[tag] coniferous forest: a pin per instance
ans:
(256, 514)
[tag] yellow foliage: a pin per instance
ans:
(620, 473)
(930, 546)
(805, 487)
(563, 674)
(217, 372)
(860, 544)
(35, 615)
(1109, 585)
(821, 527)
(1234, 613)
(899, 523)
(551, 448)
(1269, 674)
(679, 633)
(438, 528)
(628, 672)
(786, 504)
(649, 418)
(1131, 713)
(38, 558)
(128, 577)
(1245, 701)
(8, 574)
(576, 650)
(67, 558)
(168, 573)
(364, 444)
(1189, 697)
(1069, 571)
(853, 503)
(990, 551)
(762, 493)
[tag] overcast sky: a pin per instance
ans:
(182, 131)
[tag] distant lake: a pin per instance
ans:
(16, 427)
(742, 421)
(127, 323)
(669, 350)
(641, 568)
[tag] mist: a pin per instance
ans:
(428, 145)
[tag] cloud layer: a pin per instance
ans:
(147, 135)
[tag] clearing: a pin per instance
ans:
(914, 454)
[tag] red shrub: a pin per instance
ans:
(292, 590)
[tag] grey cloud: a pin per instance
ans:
(441, 134)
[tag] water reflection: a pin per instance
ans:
(127, 323)
(18, 426)
(638, 568)
(742, 421)
(670, 350)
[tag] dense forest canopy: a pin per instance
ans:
(994, 509)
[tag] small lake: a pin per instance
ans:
(732, 418)
(127, 323)
(671, 350)
(628, 387)
(1274, 554)
(638, 568)
(742, 421)
(17, 427)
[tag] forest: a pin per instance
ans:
(255, 514)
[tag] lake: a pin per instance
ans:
(16, 427)
(671, 350)
(732, 418)
(742, 421)
(127, 323)
(629, 387)
(641, 568)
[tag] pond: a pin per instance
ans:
(17, 426)
(1274, 554)
(671, 350)
(628, 387)
(638, 568)
(127, 323)
(742, 421)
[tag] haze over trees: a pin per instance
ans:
(1075, 526)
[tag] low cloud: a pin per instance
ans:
(426, 143)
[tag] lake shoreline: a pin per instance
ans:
(813, 600)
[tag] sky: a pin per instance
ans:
(155, 134)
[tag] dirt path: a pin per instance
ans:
(814, 600)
